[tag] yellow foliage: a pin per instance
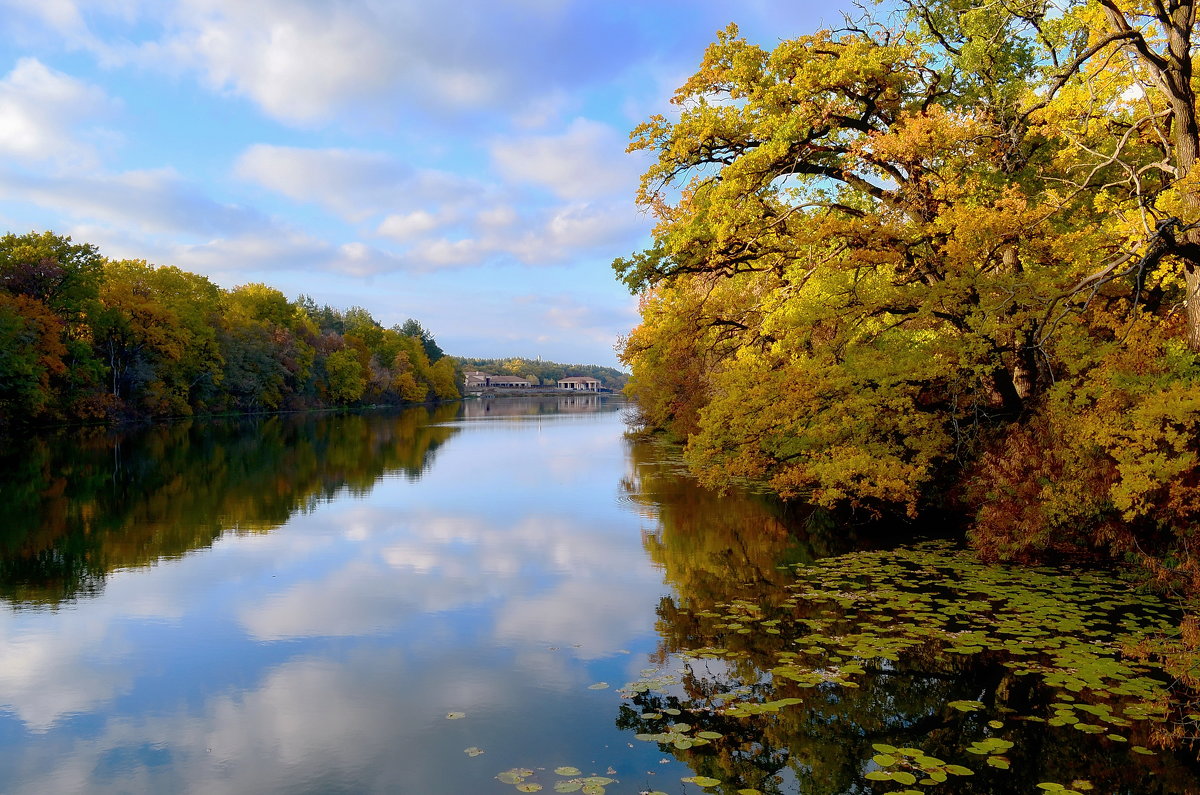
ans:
(885, 256)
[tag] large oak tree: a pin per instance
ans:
(882, 251)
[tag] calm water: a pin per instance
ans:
(324, 603)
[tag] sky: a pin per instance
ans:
(462, 163)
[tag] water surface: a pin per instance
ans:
(364, 603)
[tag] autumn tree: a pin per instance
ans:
(50, 268)
(82, 337)
(344, 376)
(412, 328)
(881, 248)
(61, 279)
(31, 354)
(156, 330)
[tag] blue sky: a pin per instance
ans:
(462, 162)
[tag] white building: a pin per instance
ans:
(580, 382)
(477, 381)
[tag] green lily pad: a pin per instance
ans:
(701, 781)
(515, 775)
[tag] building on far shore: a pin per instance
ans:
(580, 382)
(476, 381)
(479, 381)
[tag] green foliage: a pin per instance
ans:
(344, 377)
(412, 328)
(31, 354)
(51, 269)
(84, 338)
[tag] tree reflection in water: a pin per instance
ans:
(83, 503)
(876, 673)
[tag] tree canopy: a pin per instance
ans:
(87, 338)
(920, 257)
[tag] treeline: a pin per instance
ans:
(949, 259)
(546, 373)
(84, 338)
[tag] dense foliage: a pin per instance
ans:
(542, 373)
(86, 338)
(950, 255)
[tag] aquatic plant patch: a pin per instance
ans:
(904, 670)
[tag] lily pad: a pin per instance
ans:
(702, 781)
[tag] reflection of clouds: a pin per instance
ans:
(360, 568)
(75, 660)
(462, 582)
(593, 615)
(356, 724)
(45, 675)
(543, 574)
(359, 599)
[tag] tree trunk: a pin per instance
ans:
(1185, 134)
(1191, 278)
(1171, 70)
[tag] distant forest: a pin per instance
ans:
(85, 338)
(546, 373)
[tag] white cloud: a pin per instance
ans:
(575, 228)
(321, 722)
(553, 618)
(444, 252)
(296, 60)
(539, 237)
(153, 201)
(586, 161)
(159, 216)
(303, 62)
(448, 221)
(358, 184)
(542, 110)
(353, 183)
(360, 599)
(279, 248)
(360, 259)
(404, 227)
(417, 564)
(42, 112)
(498, 217)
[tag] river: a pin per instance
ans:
(510, 596)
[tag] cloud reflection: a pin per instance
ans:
(536, 578)
(325, 655)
